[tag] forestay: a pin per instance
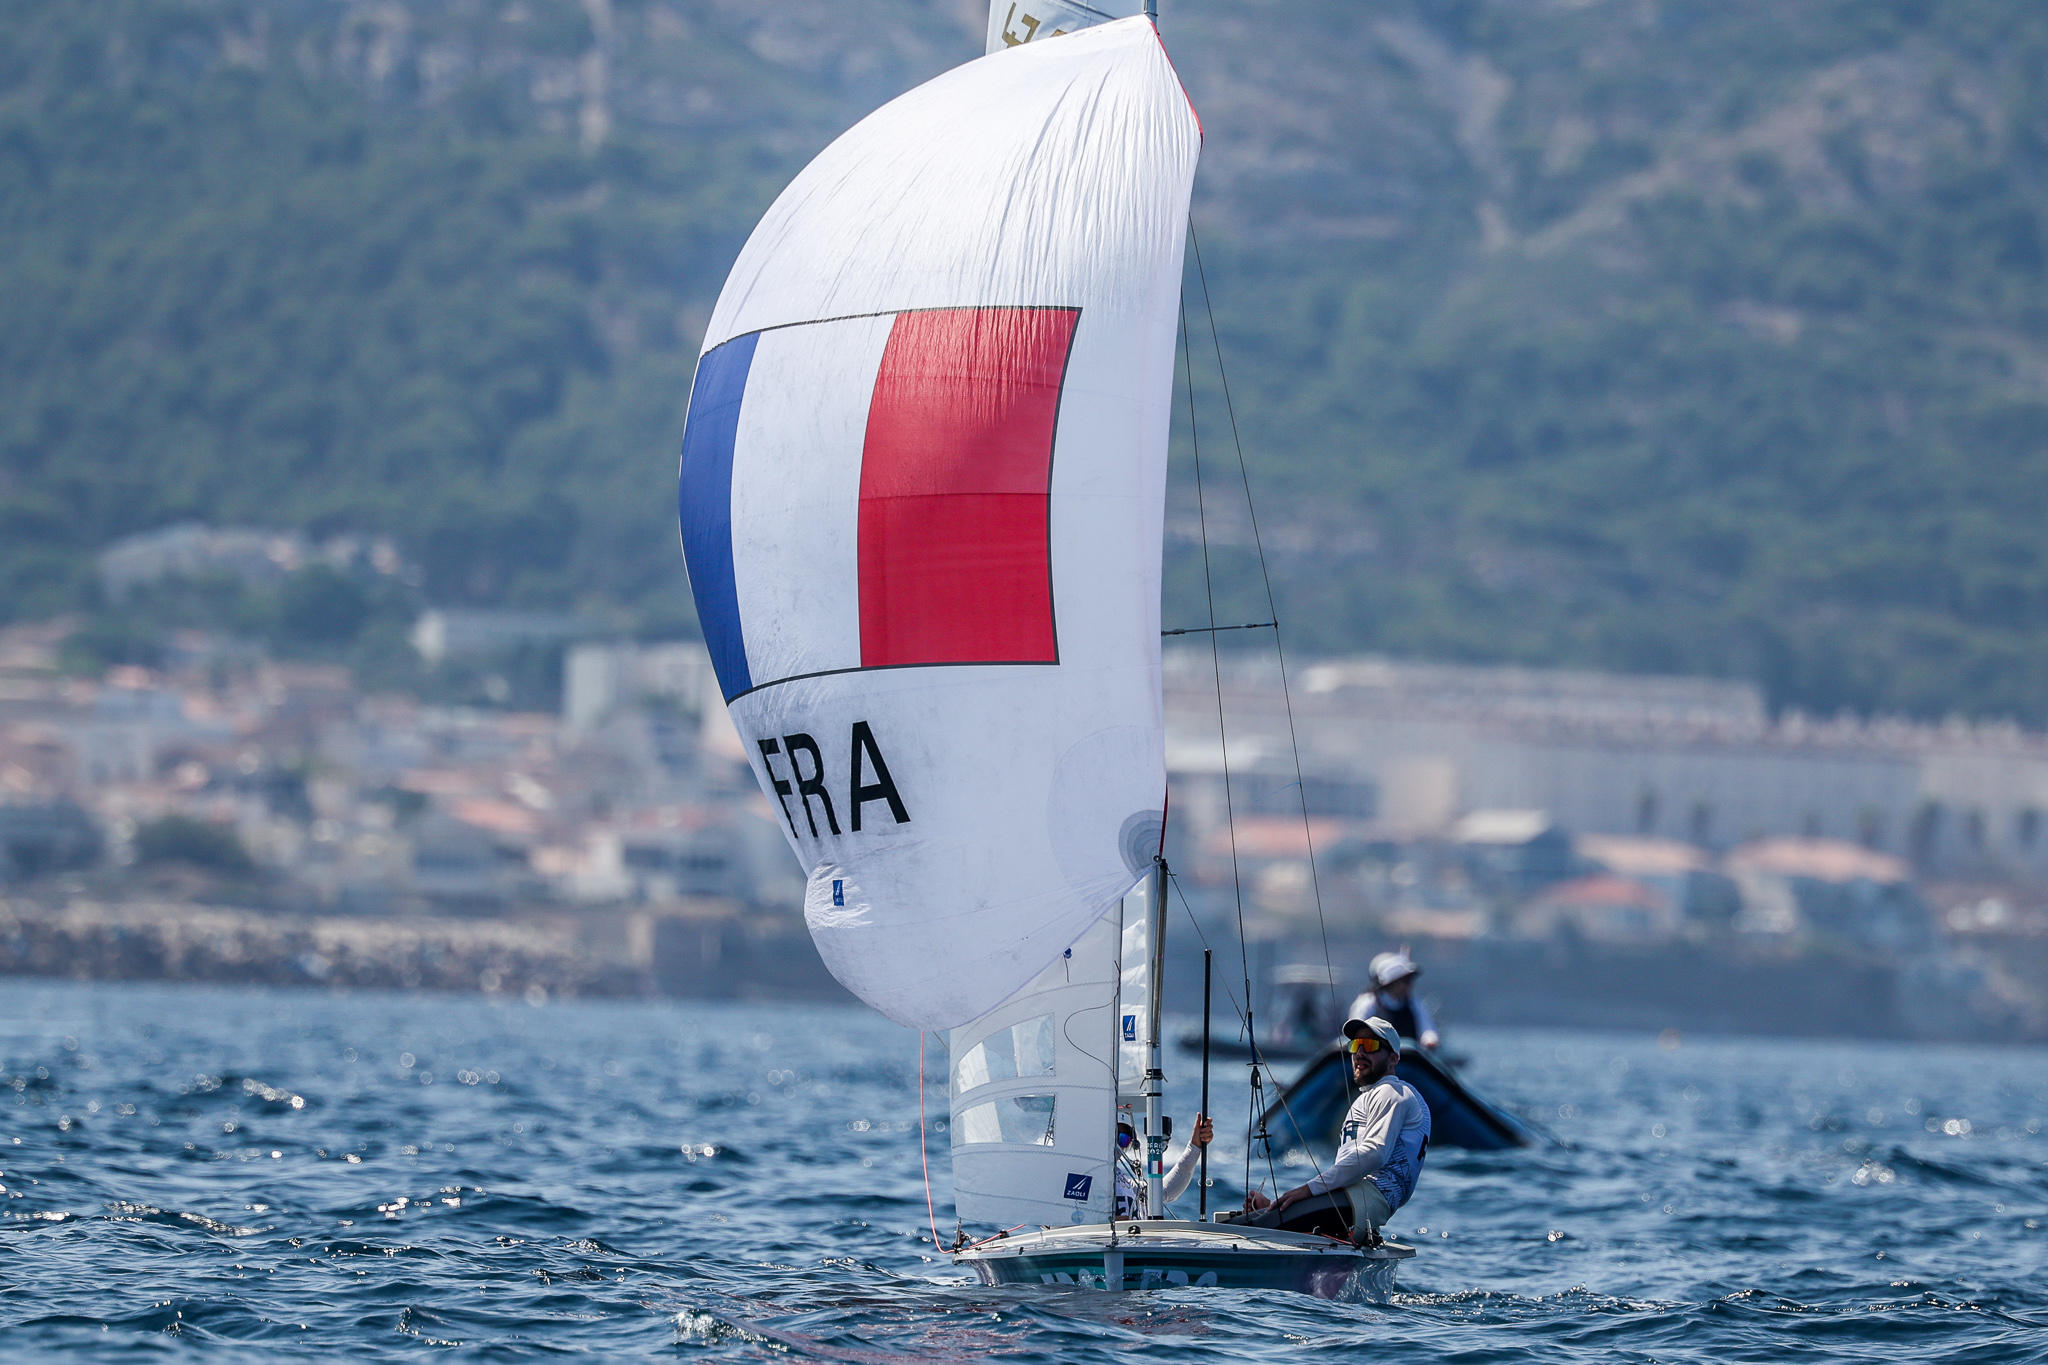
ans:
(921, 498)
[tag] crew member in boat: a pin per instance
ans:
(1385, 1137)
(1392, 997)
(1131, 1196)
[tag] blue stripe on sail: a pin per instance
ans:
(704, 503)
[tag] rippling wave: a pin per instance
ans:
(188, 1170)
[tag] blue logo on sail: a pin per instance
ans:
(838, 892)
(1079, 1185)
(1130, 1028)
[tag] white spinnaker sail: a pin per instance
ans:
(921, 498)
(1013, 23)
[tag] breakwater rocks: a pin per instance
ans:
(84, 940)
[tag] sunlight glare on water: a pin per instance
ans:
(378, 1175)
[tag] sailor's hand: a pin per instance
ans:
(1255, 1201)
(1205, 1131)
(1293, 1196)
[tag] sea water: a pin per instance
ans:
(196, 1172)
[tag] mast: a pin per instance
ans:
(1155, 910)
(1206, 957)
(1155, 1078)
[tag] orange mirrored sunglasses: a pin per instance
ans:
(1369, 1043)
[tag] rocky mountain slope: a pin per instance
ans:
(1626, 333)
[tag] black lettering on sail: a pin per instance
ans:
(813, 784)
(883, 788)
(769, 748)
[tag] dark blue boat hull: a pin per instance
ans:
(1311, 1110)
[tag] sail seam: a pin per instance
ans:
(890, 668)
(897, 312)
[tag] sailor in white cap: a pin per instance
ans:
(1392, 997)
(1379, 1156)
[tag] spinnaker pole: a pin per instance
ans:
(1155, 1078)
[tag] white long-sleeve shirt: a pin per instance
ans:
(1130, 1180)
(1385, 1137)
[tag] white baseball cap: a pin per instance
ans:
(1380, 1028)
(1388, 968)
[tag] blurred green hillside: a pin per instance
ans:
(1634, 334)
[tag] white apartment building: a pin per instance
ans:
(1693, 759)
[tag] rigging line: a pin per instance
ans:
(1272, 610)
(1116, 1055)
(924, 1149)
(1251, 1108)
(1272, 1171)
(1280, 1093)
(1211, 630)
(1244, 956)
(992, 1237)
(1196, 925)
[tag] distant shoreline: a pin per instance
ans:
(537, 959)
(1700, 990)
(157, 941)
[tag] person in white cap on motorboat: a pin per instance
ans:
(1379, 1155)
(1392, 997)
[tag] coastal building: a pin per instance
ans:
(1502, 822)
(1604, 907)
(245, 554)
(39, 837)
(601, 679)
(458, 633)
(1826, 888)
(1697, 760)
(1684, 874)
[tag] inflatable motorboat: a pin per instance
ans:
(1310, 1111)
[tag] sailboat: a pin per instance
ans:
(921, 497)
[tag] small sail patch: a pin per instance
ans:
(1013, 23)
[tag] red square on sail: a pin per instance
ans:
(955, 488)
